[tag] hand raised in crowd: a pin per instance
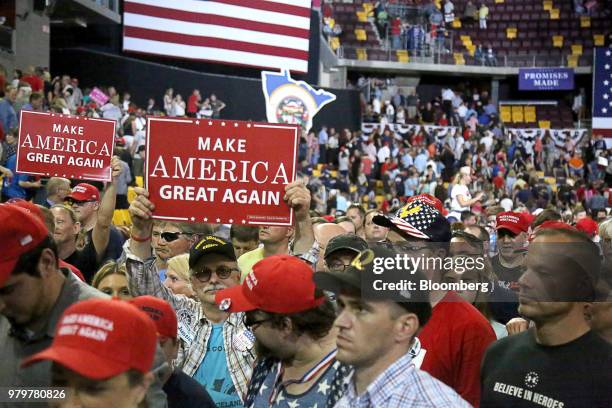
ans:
(117, 168)
(517, 325)
(141, 210)
(297, 197)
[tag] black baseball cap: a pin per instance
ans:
(211, 244)
(345, 241)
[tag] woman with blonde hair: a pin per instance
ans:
(177, 276)
(461, 198)
(111, 279)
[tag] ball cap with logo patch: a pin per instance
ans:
(277, 284)
(514, 222)
(211, 244)
(345, 241)
(84, 192)
(102, 338)
(160, 311)
(21, 232)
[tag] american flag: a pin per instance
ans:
(258, 33)
(602, 92)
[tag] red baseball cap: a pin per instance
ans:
(588, 226)
(512, 221)
(160, 311)
(102, 338)
(84, 192)
(21, 232)
(277, 284)
(28, 206)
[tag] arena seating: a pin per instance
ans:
(541, 116)
(522, 29)
(521, 33)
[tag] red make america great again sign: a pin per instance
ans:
(220, 171)
(76, 147)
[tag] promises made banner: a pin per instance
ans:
(546, 79)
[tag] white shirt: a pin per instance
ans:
(448, 94)
(487, 141)
(376, 105)
(459, 189)
(383, 153)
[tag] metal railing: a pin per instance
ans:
(444, 55)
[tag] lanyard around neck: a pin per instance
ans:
(309, 375)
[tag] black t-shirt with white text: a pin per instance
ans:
(517, 372)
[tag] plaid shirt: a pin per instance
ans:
(402, 385)
(194, 328)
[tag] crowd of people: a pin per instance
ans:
(188, 314)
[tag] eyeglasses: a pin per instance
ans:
(171, 236)
(222, 272)
(249, 321)
(337, 266)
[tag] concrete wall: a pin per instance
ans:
(31, 39)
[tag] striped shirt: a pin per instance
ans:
(194, 328)
(402, 385)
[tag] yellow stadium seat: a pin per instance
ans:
(122, 217)
(139, 181)
(511, 32)
(456, 23)
(333, 173)
(402, 56)
(577, 49)
(465, 38)
(547, 5)
(368, 8)
(362, 54)
(131, 195)
(499, 1)
(598, 40)
(572, 61)
(379, 199)
(459, 60)
(362, 16)
(506, 113)
(352, 188)
(530, 114)
(361, 35)
(517, 114)
(585, 22)
(316, 173)
(544, 124)
(554, 14)
(557, 41)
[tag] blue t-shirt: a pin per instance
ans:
(10, 185)
(213, 373)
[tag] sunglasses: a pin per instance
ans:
(222, 272)
(171, 236)
(77, 202)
